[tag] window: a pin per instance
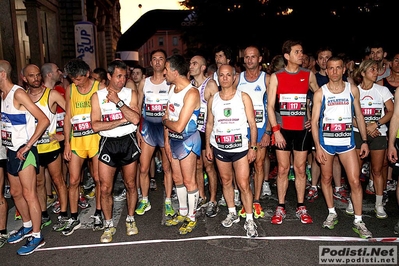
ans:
(175, 41)
(160, 41)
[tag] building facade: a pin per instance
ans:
(41, 31)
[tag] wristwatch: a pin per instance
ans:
(254, 148)
(378, 124)
(120, 104)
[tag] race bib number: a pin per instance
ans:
(155, 109)
(293, 105)
(201, 119)
(258, 116)
(337, 130)
(112, 117)
(229, 142)
(6, 138)
(81, 125)
(371, 114)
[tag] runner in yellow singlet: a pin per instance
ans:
(81, 142)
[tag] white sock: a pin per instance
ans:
(28, 224)
(168, 201)
(109, 223)
(332, 210)
(378, 200)
(181, 192)
(358, 218)
(36, 235)
(233, 210)
(144, 199)
(192, 197)
(337, 188)
(130, 218)
(249, 217)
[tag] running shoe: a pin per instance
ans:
(175, 220)
(3, 239)
(391, 185)
(349, 209)
(222, 202)
(258, 211)
(56, 207)
(82, 202)
(361, 229)
(131, 228)
(158, 164)
(242, 212)
(120, 197)
(143, 207)
(7, 193)
(201, 203)
(366, 168)
(266, 191)
(50, 201)
(98, 222)
(206, 179)
(70, 227)
(174, 193)
(309, 174)
(32, 243)
(278, 216)
(89, 184)
(169, 211)
(153, 184)
(46, 221)
(212, 209)
(61, 223)
(302, 214)
(385, 197)
(237, 200)
(251, 226)
(17, 215)
(19, 235)
(331, 221)
(91, 194)
(231, 219)
(187, 226)
(106, 237)
(396, 228)
(380, 212)
(370, 187)
(312, 194)
(341, 195)
(273, 173)
(291, 175)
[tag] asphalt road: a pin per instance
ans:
(210, 243)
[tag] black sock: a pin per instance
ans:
(74, 215)
(299, 205)
(282, 205)
(3, 232)
(51, 196)
(97, 213)
(256, 201)
(64, 214)
(44, 214)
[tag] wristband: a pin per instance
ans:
(276, 128)
(268, 132)
(365, 142)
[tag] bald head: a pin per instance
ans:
(30, 68)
